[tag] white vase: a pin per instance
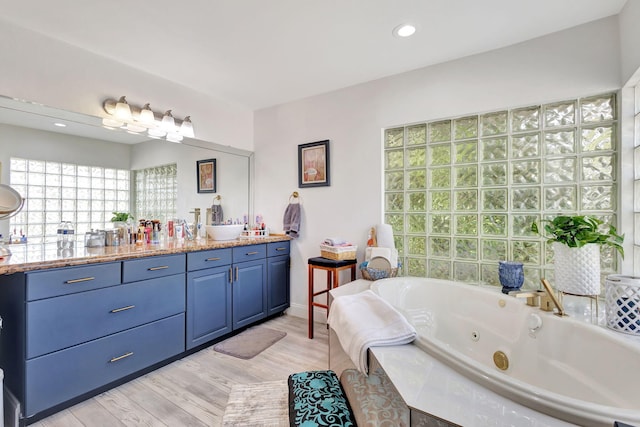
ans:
(577, 270)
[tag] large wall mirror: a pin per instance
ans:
(33, 131)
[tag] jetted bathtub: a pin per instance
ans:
(569, 369)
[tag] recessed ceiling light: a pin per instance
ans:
(404, 30)
(62, 125)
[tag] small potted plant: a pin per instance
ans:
(121, 217)
(576, 246)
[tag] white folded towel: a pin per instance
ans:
(334, 241)
(365, 320)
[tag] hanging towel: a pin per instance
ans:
(217, 217)
(291, 220)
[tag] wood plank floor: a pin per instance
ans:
(194, 391)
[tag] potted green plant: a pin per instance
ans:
(121, 217)
(576, 245)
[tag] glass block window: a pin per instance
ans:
(156, 192)
(461, 194)
(54, 192)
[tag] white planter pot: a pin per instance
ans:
(577, 270)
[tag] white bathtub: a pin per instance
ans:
(571, 370)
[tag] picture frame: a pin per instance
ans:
(206, 176)
(314, 164)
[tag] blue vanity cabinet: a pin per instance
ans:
(278, 262)
(85, 327)
(249, 284)
(209, 286)
(72, 332)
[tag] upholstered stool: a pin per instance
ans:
(316, 398)
(333, 269)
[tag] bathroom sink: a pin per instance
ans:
(224, 232)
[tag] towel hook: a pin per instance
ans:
(294, 196)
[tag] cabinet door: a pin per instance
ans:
(249, 292)
(277, 284)
(208, 305)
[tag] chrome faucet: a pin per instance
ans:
(196, 214)
(543, 298)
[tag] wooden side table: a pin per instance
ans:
(333, 269)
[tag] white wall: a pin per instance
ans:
(577, 62)
(36, 68)
(629, 39)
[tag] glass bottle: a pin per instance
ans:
(66, 235)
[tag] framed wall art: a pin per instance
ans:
(313, 164)
(206, 170)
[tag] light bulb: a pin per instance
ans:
(186, 128)
(135, 128)
(174, 137)
(123, 111)
(111, 123)
(168, 123)
(147, 117)
(404, 30)
(156, 132)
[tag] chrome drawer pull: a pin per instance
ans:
(162, 267)
(237, 273)
(212, 259)
(281, 249)
(118, 310)
(252, 253)
(230, 275)
(115, 359)
(84, 279)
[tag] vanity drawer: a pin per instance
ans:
(278, 248)
(57, 323)
(208, 259)
(63, 281)
(152, 267)
(65, 374)
(248, 253)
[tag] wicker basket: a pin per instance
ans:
(375, 274)
(338, 253)
(622, 299)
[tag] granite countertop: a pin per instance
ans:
(40, 256)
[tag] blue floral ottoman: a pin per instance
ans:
(316, 398)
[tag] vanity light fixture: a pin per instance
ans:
(123, 111)
(186, 128)
(404, 30)
(168, 123)
(140, 120)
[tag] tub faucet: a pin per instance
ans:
(533, 297)
(543, 298)
(551, 298)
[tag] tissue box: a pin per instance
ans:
(338, 253)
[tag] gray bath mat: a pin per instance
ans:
(250, 342)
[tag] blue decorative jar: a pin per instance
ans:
(511, 275)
